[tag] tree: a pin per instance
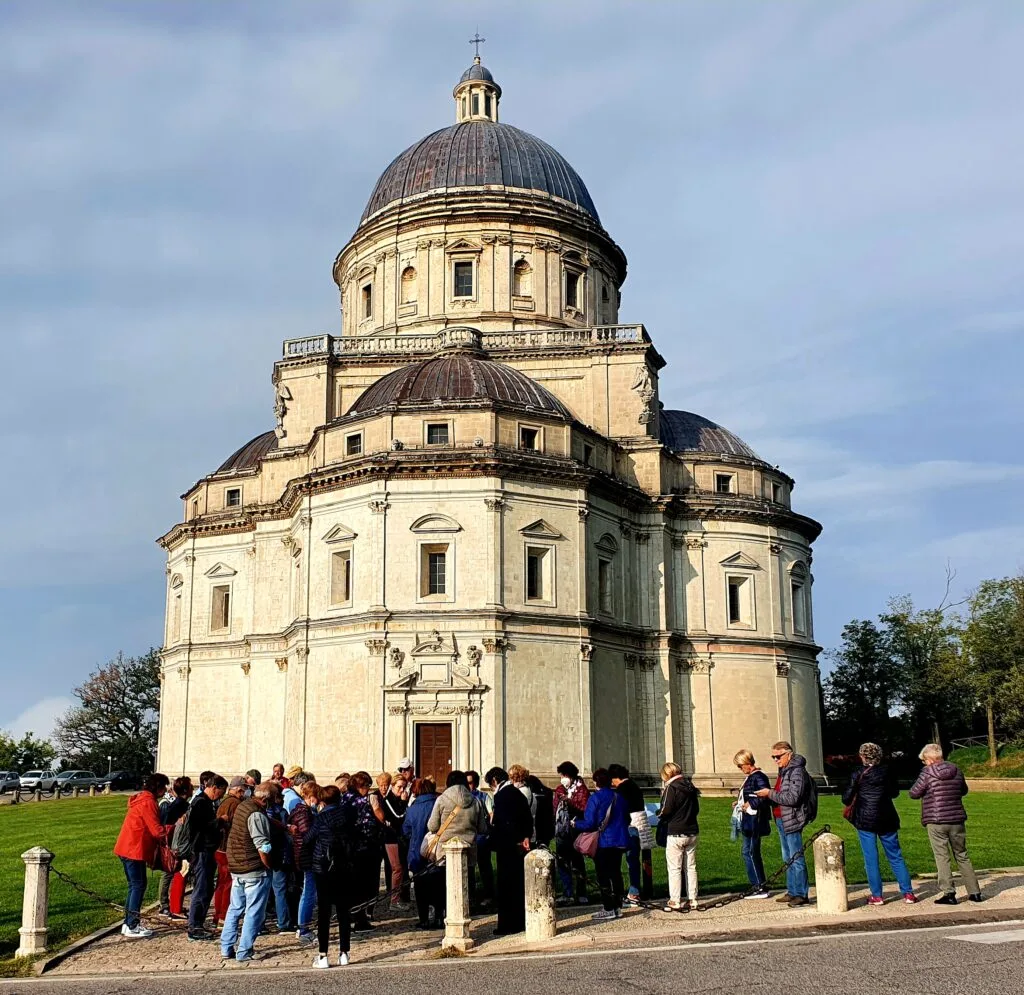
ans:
(863, 689)
(994, 651)
(26, 753)
(116, 718)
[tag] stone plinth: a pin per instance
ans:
(36, 903)
(540, 895)
(830, 874)
(457, 921)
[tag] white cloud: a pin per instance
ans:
(39, 718)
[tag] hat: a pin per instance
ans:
(293, 772)
(405, 764)
(237, 782)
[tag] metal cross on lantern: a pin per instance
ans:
(476, 40)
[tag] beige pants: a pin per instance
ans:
(680, 851)
(952, 836)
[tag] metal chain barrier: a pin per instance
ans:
(752, 889)
(96, 896)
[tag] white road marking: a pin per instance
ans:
(1000, 936)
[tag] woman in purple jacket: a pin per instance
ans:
(606, 808)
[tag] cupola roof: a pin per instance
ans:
(685, 432)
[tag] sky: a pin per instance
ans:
(822, 207)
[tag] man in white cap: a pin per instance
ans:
(406, 771)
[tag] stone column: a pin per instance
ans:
(696, 596)
(540, 895)
(36, 904)
(378, 545)
(495, 646)
(830, 874)
(703, 728)
(495, 551)
(457, 921)
(375, 682)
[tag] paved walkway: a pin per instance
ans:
(396, 939)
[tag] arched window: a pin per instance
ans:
(408, 285)
(522, 279)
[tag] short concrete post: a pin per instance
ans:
(107, 789)
(76, 792)
(540, 895)
(56, 794)
(456, 922)
(36, 904)
(16, 797)
(39, 794)
(830, 874)
(92, 790)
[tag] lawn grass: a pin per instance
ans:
(81, 833)
(973, 761)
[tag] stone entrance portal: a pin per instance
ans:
(434, 751)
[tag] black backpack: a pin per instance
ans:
(182, 842)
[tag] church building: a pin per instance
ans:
(474, 535)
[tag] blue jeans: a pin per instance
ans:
(249, 894)
(135, 872)
(279, 882)
(752, 858)
(891, 845)
(796, 874)
(633, 862)
(307, 902)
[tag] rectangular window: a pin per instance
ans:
(436, 564)
(176, 619)
(341, 577)
(220, 610)
(777, 493)
(572, 289)
(588, 455)
(233, 497)
(437, 434)
(740, 606)
(354, 444)
(195, 509)
(463, 279)
(475, 99)
(723, 483)
(529, 438)
(604, 586)
(536, 569)
(367, 295)
(487, 104)
(735, 602)
(799, 608)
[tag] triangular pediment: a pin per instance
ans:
(540, 530)
(462, 245)
(340, 533)
(219, 570)
(741, 561)
(435, 524)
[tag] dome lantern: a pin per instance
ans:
(476, 95)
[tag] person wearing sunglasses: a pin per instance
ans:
(794, 805)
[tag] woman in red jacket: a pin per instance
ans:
(136, 845)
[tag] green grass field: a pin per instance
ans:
(81, 833)
(973, 761)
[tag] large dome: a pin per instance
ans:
(475, 154)
(460, 377)
(685, 432)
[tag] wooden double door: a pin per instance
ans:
(434, 751)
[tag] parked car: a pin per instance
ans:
(9, 781)
(120, 780)
(44, 779)
(67, 780)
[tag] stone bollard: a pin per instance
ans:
(39, 794)
(36, 905)
(830, 874)
(107, 790)
(540, 895)
(76, 792)
(92, 790)
(17, 797)
(456, 921)
(56, 794)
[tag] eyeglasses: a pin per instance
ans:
(779, 756)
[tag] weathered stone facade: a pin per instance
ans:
(508, 543)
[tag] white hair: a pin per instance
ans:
(931, 750)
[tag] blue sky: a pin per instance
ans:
(821, 204)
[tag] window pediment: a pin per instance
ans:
(540, 530)
(177, 580)
(740, 561)
(462, 246)
(340, 533)
(435, 525)
(608, 543)
(219, 570)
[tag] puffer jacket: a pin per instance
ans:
(797, 796)
(680, 806)
(760, 823)
(301, 818)
(941, 788)
(616, 833)
(141, 829)
(414, 827)
(874, 789)
(328, 845)
(469, 822)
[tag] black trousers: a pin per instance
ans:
(608, 863)
(512, 889)
(431, 890)
(483, 857)
(332, 893)
(203, 868)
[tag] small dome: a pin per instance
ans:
(476, 71)
(251, 454)
(685, 432)
(479, 153)
(461, 377)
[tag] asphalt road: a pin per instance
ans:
(956, 960)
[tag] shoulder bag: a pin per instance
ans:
(587, 843)
(428, 848)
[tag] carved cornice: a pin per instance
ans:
(495, 504)
(630, 660)
(379, 506)
(696, 544)
(647, 662)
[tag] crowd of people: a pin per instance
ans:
(314, 852)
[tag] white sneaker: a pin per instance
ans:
(757, 894)
(605, 914)
(343, 960)
(321, 961)
(136, 932)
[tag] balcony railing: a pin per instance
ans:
(543, 338)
